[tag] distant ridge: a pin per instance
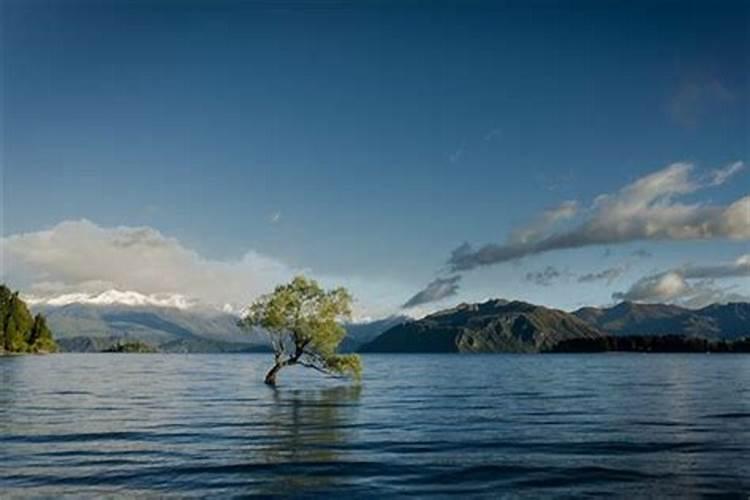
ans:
(170, 323)
(717, 321)
(95, 326)
(502, 326)
(173, 323)
(493, 326)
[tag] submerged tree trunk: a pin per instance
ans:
(291, 360)
(271, 375)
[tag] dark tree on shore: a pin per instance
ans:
(303, 323)
(19, 330)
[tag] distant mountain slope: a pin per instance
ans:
(492, 326)
(102, 320)
(160, 323)
(92, 327)
(731, 320)
(178, 346)
(717, 321)
(173, 324)
(358, 334)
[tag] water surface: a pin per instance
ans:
(427, 425)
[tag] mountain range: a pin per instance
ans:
(493, 326)
(502, 326)
(716, 321)
(84, 322)
(95, 322)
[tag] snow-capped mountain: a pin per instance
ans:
(171, 322)
(115, 297)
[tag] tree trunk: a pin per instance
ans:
(271, 375)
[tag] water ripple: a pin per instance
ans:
(478, 426)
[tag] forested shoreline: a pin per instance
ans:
(651, 343)
(20, 331)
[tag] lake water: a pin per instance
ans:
(429, 425)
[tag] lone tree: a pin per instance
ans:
(302, 321)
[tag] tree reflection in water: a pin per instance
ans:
(310, 431)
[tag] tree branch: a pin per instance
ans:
(320, 369)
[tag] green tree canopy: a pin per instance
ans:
(19, 330)
(302, 321)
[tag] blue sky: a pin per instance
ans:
(365, 141)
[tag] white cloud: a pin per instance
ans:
(663, 287)
(647, 209)
(690, 285)
(544, 222)
(80, 256)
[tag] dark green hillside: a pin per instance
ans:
(502, 326)
(492, 326)
(20, 332)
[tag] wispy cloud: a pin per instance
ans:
(738, 268)
(545, 277)
(609, 275)
(721, 175)
(437, 289)
(695, 97)
(647, 209)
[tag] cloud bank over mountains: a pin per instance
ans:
(82, 257)
(690, 285)
(80, 261)
(652, 208)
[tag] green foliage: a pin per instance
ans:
(303, 323)
(19, 330)
(40, 338)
